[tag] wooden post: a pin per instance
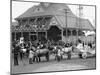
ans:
(29, 36)
(71, 32)
(21, 33)
(21, 27)
(37, 36)
(66, 22)
(77, 35)
(15, 36)
(62, 34)
(28, 21)
(46, 34)
(71, 35)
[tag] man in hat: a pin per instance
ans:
(16, 50)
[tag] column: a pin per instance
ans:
(35, 20)
(77, 32)
(37, 35)
(77, 35)
(71, 35)
(62, 34)
(21, 28)
(27, 21)
(46, 34)
(29, 36)
(71, 32)
(21, 33)
(15, 36)
(20, 21)
(66, 35)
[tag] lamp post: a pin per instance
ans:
(66, 11)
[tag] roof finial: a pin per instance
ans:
(46, 4)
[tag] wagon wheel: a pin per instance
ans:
(80, 55)
(84, 55)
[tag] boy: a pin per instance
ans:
(31, 54)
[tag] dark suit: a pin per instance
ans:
(16, 50)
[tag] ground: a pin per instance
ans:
(53, 65)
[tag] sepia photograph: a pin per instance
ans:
(52, 37)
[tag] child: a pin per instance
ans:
(59, 55)
(31, 54)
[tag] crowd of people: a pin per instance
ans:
(29, 48)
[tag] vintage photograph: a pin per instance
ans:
(52, 37)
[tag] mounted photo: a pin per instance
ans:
(52, 37)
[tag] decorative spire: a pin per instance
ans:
(45, 4)
(80, 11)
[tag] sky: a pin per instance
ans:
(20, 7)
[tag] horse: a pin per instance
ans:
(40, 52)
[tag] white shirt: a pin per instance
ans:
(80, 46)
(31, 54)
(59, 52)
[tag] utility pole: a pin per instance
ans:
(66, 22)
(80, 8)
(80, 15)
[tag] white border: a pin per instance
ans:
(5, 37)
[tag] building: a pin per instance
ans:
(53, 21)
